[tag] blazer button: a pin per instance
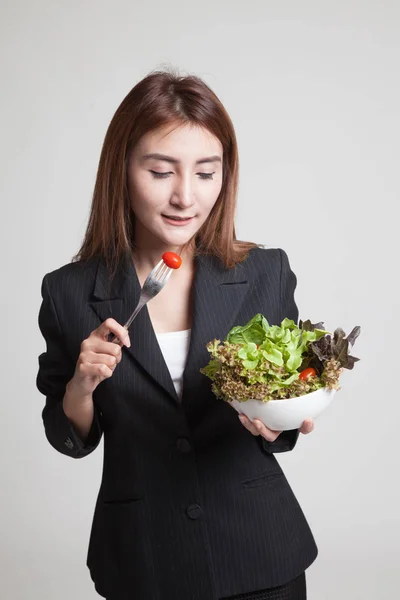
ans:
(69, 443)
(183, 445)
(194, 511)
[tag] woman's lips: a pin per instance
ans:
(178, 222)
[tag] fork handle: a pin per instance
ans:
(139, 307)
(141, 303)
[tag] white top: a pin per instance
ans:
(175, 347)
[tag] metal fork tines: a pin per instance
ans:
(154, 283)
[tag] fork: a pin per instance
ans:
(154, 283)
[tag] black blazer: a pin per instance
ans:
(191, 506)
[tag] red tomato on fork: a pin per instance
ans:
(172, 260)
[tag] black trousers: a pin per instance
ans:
(294, 590)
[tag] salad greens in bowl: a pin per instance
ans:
(259, 364)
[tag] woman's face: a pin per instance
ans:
(174, 179)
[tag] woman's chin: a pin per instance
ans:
(178, 238)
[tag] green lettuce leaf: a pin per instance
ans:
(254, 331)
(271, 352)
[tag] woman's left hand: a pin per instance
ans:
(258, 428)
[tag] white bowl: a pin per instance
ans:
(282, 415)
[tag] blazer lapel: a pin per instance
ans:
(118, 299)
(217, 297)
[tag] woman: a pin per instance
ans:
(191, 505)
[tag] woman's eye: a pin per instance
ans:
(159, 175)
(164, 175)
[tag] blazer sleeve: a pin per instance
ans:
(288, 281)
(56, 368)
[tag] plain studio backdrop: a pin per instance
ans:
(313, 91)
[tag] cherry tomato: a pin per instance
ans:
(307, 373)
(172, 260)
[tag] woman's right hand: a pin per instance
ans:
(98, 357)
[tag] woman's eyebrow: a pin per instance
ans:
(170, 159)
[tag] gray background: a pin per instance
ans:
(313, 90)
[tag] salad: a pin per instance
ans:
(273, 362)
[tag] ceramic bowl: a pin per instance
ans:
(282, 415)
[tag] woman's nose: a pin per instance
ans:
(184, 193)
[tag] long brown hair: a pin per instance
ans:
(161, 98)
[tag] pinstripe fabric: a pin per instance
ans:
(191, 505)
(294, 590)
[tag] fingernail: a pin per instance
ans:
(241, 419)
(128, 342)
(258, 425)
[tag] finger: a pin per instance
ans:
(307, 426)
(98, 347)
(102, 370)
(111, 326)
(269, 434)
(248, 424)
(94, 370)
(102, 359)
